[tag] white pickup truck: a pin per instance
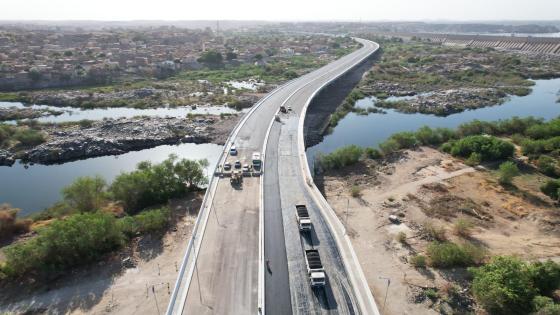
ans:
(256, 160)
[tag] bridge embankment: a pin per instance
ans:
(329, 98)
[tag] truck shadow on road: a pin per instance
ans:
(310, 239)
(325, 297)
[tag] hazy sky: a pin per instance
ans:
(280, 9)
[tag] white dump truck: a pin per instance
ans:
(317, 277)
(303, 219)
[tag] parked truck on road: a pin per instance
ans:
(256, 160)
(303, 219)
(315, 269)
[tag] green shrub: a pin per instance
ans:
(476, 127)
(548, 166)
(549, 309)
(153, 184)
(372, 153)
(550, 188)
(85, 123)
(211, 58)
(6, 133)
(85, 193)
(545, 276)
(427, 136)
(65, 243)
(508, 170)
(341, 157)
(544, 130)
(431, 294)
(504, 286)
(536, 147)
(128, 226)
(153, 220)
(540, 302)
(448, 254)
(490, 148)
(405, 139)
(463, 227)
(418, 261)
(355, 191)
(389, 146)
(434, 232)
(29, 137)
(474, 159)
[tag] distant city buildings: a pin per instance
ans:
(47, 58)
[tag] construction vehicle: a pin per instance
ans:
(317, 277)
(236, 178)
(303, 219)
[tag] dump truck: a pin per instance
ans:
(315, 269)
(303, 219)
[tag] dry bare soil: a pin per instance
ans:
(426, 188)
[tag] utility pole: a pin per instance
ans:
(386, 290)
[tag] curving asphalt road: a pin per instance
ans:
(284, 246)
(224, 278)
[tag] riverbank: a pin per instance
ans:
(371, 129)
(423, 77)
(431, 191)
(444, 224)
(14, 113)
(132, 280)
(86, 139)
(104, 229)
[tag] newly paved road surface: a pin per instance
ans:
(224, 279)
(283, 237)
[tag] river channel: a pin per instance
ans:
(38, 186)
(370, 130)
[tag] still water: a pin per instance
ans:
(77, 114)
(375, 128)
(39, 186)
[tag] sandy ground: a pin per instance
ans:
(109, 288)
(373, 236)
(519, 222)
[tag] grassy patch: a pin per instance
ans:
(448, 254)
